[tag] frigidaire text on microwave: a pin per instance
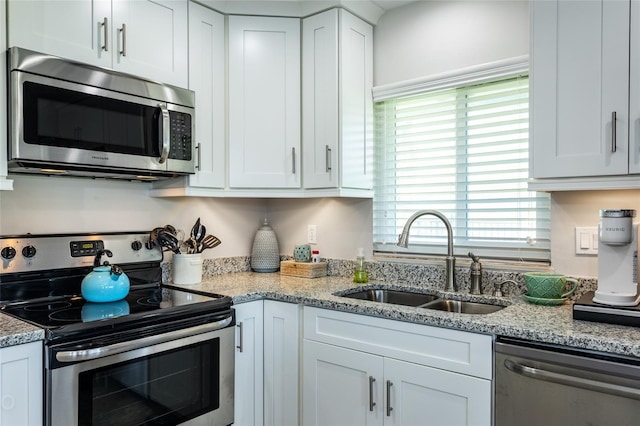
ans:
(70, 118)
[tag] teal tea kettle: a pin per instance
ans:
(106, 283)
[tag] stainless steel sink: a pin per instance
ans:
(420, 300)
(462, 307)
(396, 297)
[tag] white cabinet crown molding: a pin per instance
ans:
(365, 9)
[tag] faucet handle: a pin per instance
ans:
(475, 258)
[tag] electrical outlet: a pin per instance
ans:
(312, 235)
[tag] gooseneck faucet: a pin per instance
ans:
(403, 241)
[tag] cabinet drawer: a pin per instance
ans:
(453, 350)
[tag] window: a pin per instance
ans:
(464, 152)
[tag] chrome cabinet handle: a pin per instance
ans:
(239, 346)
(123, 32)
(371, 402)
(613, 132)
(389, 408)
(105, 33)
(327, 158)
(199, 156)
(293, 160)
(117, 348)
(575, 381)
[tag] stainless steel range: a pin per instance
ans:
(160, 356)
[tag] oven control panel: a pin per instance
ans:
(24, 253)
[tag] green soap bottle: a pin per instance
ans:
(360, 274)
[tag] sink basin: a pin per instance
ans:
(420, 300)
(396, 297)
(462, 307)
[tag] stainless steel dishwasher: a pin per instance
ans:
(540, 384)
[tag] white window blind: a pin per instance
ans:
(464, 152)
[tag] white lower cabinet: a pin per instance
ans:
(266, 370)
(248, 398)
(21, 391)
(362, 370)
(281, 354)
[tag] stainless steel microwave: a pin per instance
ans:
(69, 118)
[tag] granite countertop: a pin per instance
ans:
(550, 324)
(16, 332)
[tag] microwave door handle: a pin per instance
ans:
(165, 139)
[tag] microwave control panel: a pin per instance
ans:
(180, 147)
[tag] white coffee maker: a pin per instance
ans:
(617, 258)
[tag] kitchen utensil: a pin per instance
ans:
(106, 283)
(153, 236)
(169, 241)
(210, 241)
(198, 231)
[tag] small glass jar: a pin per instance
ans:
(315, 256)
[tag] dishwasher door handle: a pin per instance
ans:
(575, 381)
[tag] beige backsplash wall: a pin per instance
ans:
(581, 208)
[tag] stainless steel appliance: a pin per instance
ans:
(75, 119)
(540, 384)
(162, 355)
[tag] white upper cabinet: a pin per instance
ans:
(264, 102)
(206, 79)
(140, 37)
(580, 90)
(337, 120)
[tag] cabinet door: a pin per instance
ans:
(579, 79)
(206, 78)
(320, 119)
(264, 102)
(356, 102)
(281, 352)
(73, 29)
(248, 400)
(341, 386)
(21, 390)
(419, 395)
(150, 39)
(634, 90)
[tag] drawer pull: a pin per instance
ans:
(371, 403)
(389, 408)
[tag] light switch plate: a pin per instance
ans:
(587, 240)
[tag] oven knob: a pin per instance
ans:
(29, 251)
(8, 253)
(136, 245)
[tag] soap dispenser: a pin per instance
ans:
(360, 274)
(476, 274)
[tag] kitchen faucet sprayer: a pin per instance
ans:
(403, 241)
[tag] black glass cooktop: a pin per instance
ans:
(63, 311)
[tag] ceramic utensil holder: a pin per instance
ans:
(187, 268)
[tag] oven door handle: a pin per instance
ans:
(117, 348)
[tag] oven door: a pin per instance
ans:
(66, 125)
(184, 381)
